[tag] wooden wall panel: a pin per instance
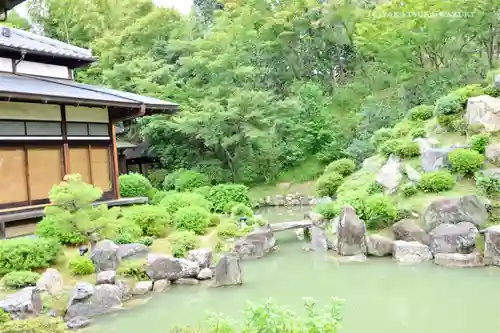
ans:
(86, 114)
(79, 162)
(44, 170)
(29, 111)
(13, 175)
(99, 161)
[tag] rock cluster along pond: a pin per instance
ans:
(287, 200)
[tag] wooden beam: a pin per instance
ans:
(114, 163)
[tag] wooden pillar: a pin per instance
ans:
(65, 151)
(114, 163)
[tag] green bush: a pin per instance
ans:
(402, 129)
(408, 190)
(240, 210)
(380, 136)
(375, 188)
(467, 92)
(181, 242)
(214, 220)
(51, 227)
(327, 184)
(329, 210)
(407, 149)
(465, 161)
(20, 279)
(449, 105)
(39, 324)
(447, 121)
(418, 133)
(492, 91)
(4, 317)
(157, 177)
(489, 185)
(134, 185)
(124, 232)
(344, 167)
(153, 220)
(214, 170)
(458, 125)
(204, 191)
(222, 194)
(389, 147)
(80, 266)
(158, 196)
(379, 211)
(227, 229)
(189, 180)
(473, 129)
(169, 182)
(25, 254)
(479, 142)
(422, 112)
(438, 181)
(192, 218)
(146, 240)
(135, 269)
(176, 200)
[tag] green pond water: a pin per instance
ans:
(380, 296)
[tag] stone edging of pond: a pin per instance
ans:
(287, 200)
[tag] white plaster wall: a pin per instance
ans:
(34, 68)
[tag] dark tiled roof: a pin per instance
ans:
(23, 40)
(34, 88)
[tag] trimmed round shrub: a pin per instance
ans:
(4, 317)
(20, 279)
(189, 180)
(375, 188)
(40, 324)
(389, 147)
(181, 242)
(223, 194)
(418, 133)
(421, 112)
(465, 161)
(447, 121)
(214, 220)
(146, 240)
(158, 197)
(123, 231)
(379, 211)
(458, 125)
(176, 200)
(489, 185)
(241, 210)
(227, 229)
(408, 149)
(329, 210)
(439, 181)
(134, 185)
(192, 218)
(471, 90)
(479, 142)
(157, 177)
(449, 104)
(344, 167)
(153, 220)
(135, 269)
(81, 266)
(402, 129)
(327, 184)
(204, 191)
(169, 182)
(380, 136)
(65, 233)
(408, 190)
(26, 254)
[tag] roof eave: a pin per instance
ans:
(76, 61)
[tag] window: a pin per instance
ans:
(87, 130)
(12, 128)
(98, 130)
(77, 129)
(17, 128)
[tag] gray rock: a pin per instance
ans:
(319, 241)
(256, 244)
(105, 298)
(228, 271)
(160, 286)
(492, 245)
(77, 323)
(408, 230)
(469, 208)
(202, 256)
(81, 291)
(143, 287)
(493, 153)
(349, 259)
(106, 277)
(105, 256)
(351, 233)
(453, 238)
(379, 246)
(190, 269)
(433, 159)
(411, 252)
(51, 281)
(497, 81)
(316, 218)
(412, 174)
(23, 303)
(300, 234)
(187, 281)
(458, 260)
(390, 175)
(133, 251)
(205, 274)
(160, 266)
(291, 225)
(124, 288)
(483, 110)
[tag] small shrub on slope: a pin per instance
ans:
(189, 180)
(448, 105)
(24, 254)
(153, 220)
(344, 167)
(329, 210)
(327, 184)
(479, 142)
(134, 185)
(379, 211)
(465, 161)
(223, 194)
(241, 210)
(192, 218)
(439, 181)
(380, 136)
(176, 200)
(80, 266)
(20, 279)
(181, 242)
(418, 133)
(489, 185)
(421, 112)
(408, 190)
(408, 149)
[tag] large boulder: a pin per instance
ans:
(51, 281)
(205, 274)
(409, 230)
(390, 175)
(433, 159)
(22, 304)
(256, 244)
(469, 208)
(453, 238)
(411, 252)
(88, 301)
(133, 251)
(319, 240)
(492, 245)
(351, 233)
(143, 287)
(412, 174)
(105, 256)
(190, 269)
(228, 271)
(379, 246)
(160, 266)
(493, 153)
(202, 256)
(458, 259)
(106, 277)
(483, 110)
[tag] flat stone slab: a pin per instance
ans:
(275, 227)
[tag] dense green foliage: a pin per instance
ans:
(189, 180)
(479, 142)
(379, 211)
(134, 185)
(265, 87)
(421, 112)
(27, 254)
(20, 279)
(177, 200)
(192, 218)
(438, 181)
(327, 184)
(80, 266)
(343, 166)
(489, 185)
(133, 269)
(408, 189)
(39, 324)
(183, 241)
(241, 210)
(466, 161)
(225, 196)
(153, 220)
